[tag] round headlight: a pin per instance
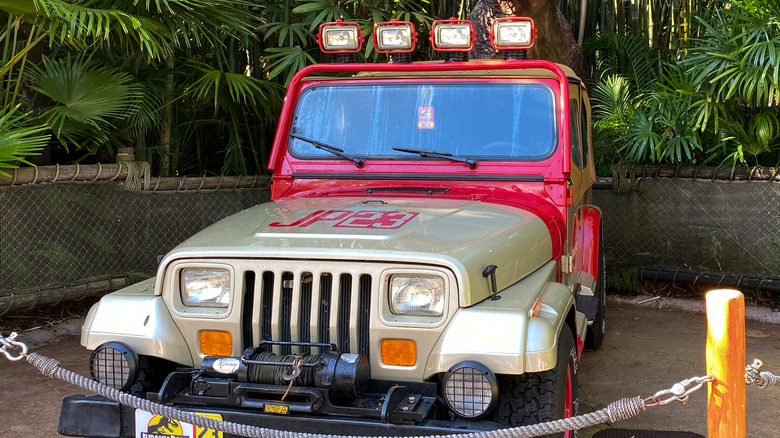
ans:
(114, 364)
(470, 390)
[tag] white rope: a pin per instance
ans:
(619, 410)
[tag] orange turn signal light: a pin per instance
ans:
(216, 343)
(399, 352)
(537, 308)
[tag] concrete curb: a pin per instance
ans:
(762, 314)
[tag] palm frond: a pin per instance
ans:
(18, 139)
(84, 95)
(641, 139)
(240, 89)
(286, 34)
(287, 60)
(75, 24)
(321, 11)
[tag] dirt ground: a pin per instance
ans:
(645, 350)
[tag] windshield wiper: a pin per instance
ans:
(433, 154)
(332, 149)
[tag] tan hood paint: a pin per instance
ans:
(464, 236)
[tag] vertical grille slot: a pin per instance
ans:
(345, 297)
(246, 313)
(285, 311)
(364, 314)
(304, 310)
(326, 285)
(268, 299)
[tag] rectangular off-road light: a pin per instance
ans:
(513, 33)
(340, 37)
(452, 35)
(394, 37)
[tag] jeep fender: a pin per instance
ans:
(138, 318)
(503, 335)
(591, 229)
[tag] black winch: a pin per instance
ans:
(345, 375)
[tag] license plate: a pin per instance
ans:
(148, 425)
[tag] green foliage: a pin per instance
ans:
(706, 93)
(153, 67)
(86, 101)
(78, 24)
(738, 56)
(287, 61)
(18, 139)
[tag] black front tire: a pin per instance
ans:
(534, 398)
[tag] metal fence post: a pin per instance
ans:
(726, 415)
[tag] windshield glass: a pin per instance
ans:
(476, 120)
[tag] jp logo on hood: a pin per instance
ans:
(384, 220)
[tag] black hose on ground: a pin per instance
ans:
(716, 280)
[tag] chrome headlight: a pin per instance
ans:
(417, 295)
(470, 390)
(115, 365)
(205, 287)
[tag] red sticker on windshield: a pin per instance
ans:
(425, 117)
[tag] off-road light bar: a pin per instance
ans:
(394, 37)
(513, 33)
(340, 37)
(452, 35)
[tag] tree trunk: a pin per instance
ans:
(555, 41)
(166, 124)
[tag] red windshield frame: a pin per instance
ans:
(562, 152)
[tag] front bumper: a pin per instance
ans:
(97, 416)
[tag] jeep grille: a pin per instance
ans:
(288, 303)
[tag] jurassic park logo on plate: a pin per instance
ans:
(148, 425)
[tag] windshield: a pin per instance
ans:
(476, 120)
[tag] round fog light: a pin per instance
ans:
(470, 389)
(114, 364)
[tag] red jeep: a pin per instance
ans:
(429, 263)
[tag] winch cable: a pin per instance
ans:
(273, 375)
(619, 410)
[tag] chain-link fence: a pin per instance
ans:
(729, 227)
(67, 234)
(65, 241)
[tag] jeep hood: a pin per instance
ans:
(464, 236)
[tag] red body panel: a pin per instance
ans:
(591, 238)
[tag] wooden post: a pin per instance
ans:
(726, 415)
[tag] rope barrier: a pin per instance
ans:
(619, 410)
